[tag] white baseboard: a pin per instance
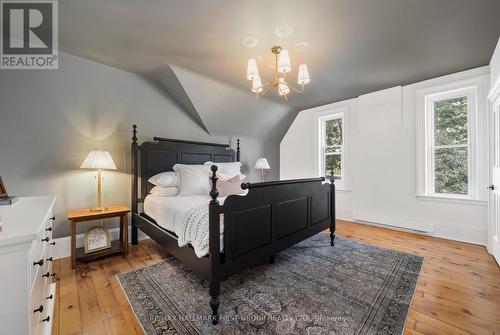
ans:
(407, 223)
(441, 230)
(63, 244)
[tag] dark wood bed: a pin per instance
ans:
(273, 216)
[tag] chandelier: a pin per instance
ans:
(282, 67)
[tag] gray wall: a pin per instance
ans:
(51, 119)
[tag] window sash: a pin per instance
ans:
(470, 94)
(336, 176)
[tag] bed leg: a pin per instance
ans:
(135, 233)
(272, 259)
(332, 214)
(214, 303)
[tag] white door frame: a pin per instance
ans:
(493, 245)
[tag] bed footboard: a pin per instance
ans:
(272, 217)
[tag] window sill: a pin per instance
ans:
(453, 200)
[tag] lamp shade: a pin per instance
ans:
(262, 164)
(284, 64)
(257, 85)
(98, 160)
(252, 70)
(303, 77)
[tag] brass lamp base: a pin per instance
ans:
(262, 175)
(99, 207)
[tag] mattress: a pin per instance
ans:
(185, 216)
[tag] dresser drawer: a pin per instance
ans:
(46, 321)
(39, 295)
(38, 247)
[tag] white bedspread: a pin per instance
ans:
(186, 216)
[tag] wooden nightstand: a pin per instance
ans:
(83, 215)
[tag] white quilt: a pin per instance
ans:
(186, 216)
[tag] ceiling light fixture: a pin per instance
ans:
(282, 66)
(250, 42)
(284, 31)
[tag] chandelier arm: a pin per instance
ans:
(266, 90)
(297, 90)
(267, 84)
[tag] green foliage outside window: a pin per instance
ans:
(450, 146)
(333, 148)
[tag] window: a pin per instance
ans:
(450, 146)
(332, 146)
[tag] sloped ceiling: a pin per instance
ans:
(193, 49)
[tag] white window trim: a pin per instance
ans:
(476, 91)
(330, 111)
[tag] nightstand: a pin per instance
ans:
(84, 215)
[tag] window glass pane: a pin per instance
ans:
(333, 132)
(450, 121)
(333, 166)
(451, 175)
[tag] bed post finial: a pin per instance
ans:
(213, 192)
(238, 150)
(134, 132)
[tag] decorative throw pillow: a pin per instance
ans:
(228, 187)
(226, 171)
(193, 179)
(161, 191)
(165, 179)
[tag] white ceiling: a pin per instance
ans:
(357, 46)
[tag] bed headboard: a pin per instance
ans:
(162, 154)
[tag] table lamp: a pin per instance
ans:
(262, 165)
(99, 160)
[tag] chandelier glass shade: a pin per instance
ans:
(283, 66)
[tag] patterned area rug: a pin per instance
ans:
(313, 288)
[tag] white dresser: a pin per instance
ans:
(26, 294)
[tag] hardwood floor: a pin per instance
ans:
(458, 291)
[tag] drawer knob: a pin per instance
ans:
(48, 229)
(52, 243)
(47, 319)
(50, 296)
(45, 239)
(40, 262)
(39, 309)
(50, 259)
(48, 274)
(52, 218)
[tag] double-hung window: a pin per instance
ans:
(332, 160)
(450, 151)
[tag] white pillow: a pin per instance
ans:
(227, 171)
(165, 179)
(194, 179)
(161, 191)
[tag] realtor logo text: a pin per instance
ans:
(29, 34)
